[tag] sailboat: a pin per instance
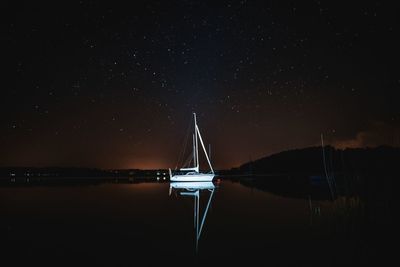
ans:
(193, 174)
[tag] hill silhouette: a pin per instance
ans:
(311, 161)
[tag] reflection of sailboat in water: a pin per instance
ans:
(193, 189)
(193, 174)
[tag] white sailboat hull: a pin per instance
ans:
(198, 177)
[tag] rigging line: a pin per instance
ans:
(188, 161)
(182, 152)
(179, 159)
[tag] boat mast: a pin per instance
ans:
(328, 179)
(196, 143)
(194, 151)
(209, 151)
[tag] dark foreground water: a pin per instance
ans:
(128, 224)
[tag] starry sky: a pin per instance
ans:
(114, 86)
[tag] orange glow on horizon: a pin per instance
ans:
(150, 164)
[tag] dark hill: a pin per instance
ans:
(310, 161)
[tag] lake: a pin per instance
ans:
(151, 223)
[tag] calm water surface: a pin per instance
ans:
(122, 224)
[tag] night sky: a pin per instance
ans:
(112, 86)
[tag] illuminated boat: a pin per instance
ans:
(192, 174)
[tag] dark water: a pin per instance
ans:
(123, 224)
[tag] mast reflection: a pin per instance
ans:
(193, 189)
